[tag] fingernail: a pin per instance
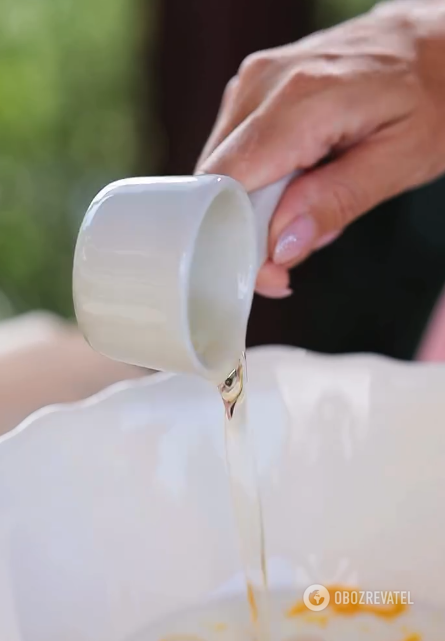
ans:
(327, 239)
(295, 240)
(271, 292)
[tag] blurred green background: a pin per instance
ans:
(66, 128)
(68, 113)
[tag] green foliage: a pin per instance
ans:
(68, 87)
(66, 129)
(330, 12)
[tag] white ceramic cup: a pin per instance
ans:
(165, 269)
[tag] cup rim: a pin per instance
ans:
(229, 185)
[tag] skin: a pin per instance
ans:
(432, 349)
(44, 361)
(360, 108)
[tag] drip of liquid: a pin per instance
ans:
(226, 620)
(246, 497)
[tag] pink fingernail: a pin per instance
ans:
(327, 239)
(272, 292)
(295, 240)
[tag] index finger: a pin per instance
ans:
(284, 134)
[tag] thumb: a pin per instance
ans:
(325, 200)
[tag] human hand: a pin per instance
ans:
(359, 107)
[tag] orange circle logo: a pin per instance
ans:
(316, 598)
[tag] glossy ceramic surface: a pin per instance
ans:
(116, 511)
(165, 268)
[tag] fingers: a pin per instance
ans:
(273, 281)
(283, 134)
(243, 94)
(327, 239)
(226, 121)
(266, 146)
(325, 200)
(278, 117)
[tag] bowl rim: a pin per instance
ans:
(156, 378)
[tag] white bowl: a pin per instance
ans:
(116, 511)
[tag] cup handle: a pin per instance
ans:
(264, 202)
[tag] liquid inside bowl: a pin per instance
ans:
(228, 620)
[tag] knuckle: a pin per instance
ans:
(230, 90)
(305, 80)
(300, 78)
(347, 203)
(254, 65)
